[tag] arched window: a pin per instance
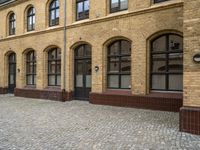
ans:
(119, 65)
(82, 9)
(31, 19)
(54, 13)
(31, 68)
(167, 63)
(54, 67)
(12, 24)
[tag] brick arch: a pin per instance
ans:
(75, 45)
(50, 47)
(115, 38)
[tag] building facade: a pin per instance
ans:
(113, 52)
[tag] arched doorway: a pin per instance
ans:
(82, 72)
(11, 72)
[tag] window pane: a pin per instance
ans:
(58, 67)
(114, 65)
(175, 82)
(52, 67)
(126, 64)
(158, 82)
(58, 80)
(160, 44)
(126, 81)
(79, 80)
(124, 4)
(114, 49)
(159, 63)
(30, 79)
(80, 7)
(125, 47)
(88, 81)
(114, 3)
(86, 5)
(113, 81)
(12, 81)
(175, 42)
(175, 62)
(52, 79)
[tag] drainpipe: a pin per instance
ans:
(65, 44)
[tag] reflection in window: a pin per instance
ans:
(118, 5)
(119, 65)
(54, 67)
(54, 13)
(82, 11)
(167, 63)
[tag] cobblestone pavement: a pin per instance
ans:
(30, 124)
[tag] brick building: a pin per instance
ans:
(114, 52)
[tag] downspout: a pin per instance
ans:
(65, 45)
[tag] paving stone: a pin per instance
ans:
(32, 124)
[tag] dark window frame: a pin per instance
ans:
(117, 9)
(159, 1)
(84, 13)
(120, 56)
(167, 53)
(56, 60)
(53, 22)
(30, 16)
(31, 61)
(12, 24)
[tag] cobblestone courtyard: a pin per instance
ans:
(76, 125)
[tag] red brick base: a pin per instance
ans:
(3, 90)
(50, 94)
(155, 101)
(190, 120)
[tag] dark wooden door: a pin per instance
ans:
(82, 72)
(11, 73)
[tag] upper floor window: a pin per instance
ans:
(12, 24)
(31, 68)
(118, 5)
(31, 19)
(54, 67)
(82, 9)
(158, 1)
(54, 13)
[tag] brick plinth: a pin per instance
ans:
(50, 94)
(190, 120)
(164, 102)
(3, 90)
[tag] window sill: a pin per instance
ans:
(117, 13)
(30, 87)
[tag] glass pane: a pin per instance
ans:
(125, 47)
(88, 68)
(160, 44)
(126, 64)
(79, 68)
(159, 63)
(52, 54)
(12, 81)
(114, 3)
(86, 5)
(57, 3)
(175, 42)
(80, 51)
(158, 82)
(34, 79)
(80, 7)
(114, 49)
(30, 79)
(126, 81)
(113, 81)
(175, 82)
(88, 81)
(12, 69)
(79, 80)
(57, 13)
(52, 79)
(124, 4)
(52, 67)
(175, 62)
(58, 80)
(87, 50)
(113, 65)
(58, 67)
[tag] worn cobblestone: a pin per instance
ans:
(30, 124)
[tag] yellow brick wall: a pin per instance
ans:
(138, 24)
